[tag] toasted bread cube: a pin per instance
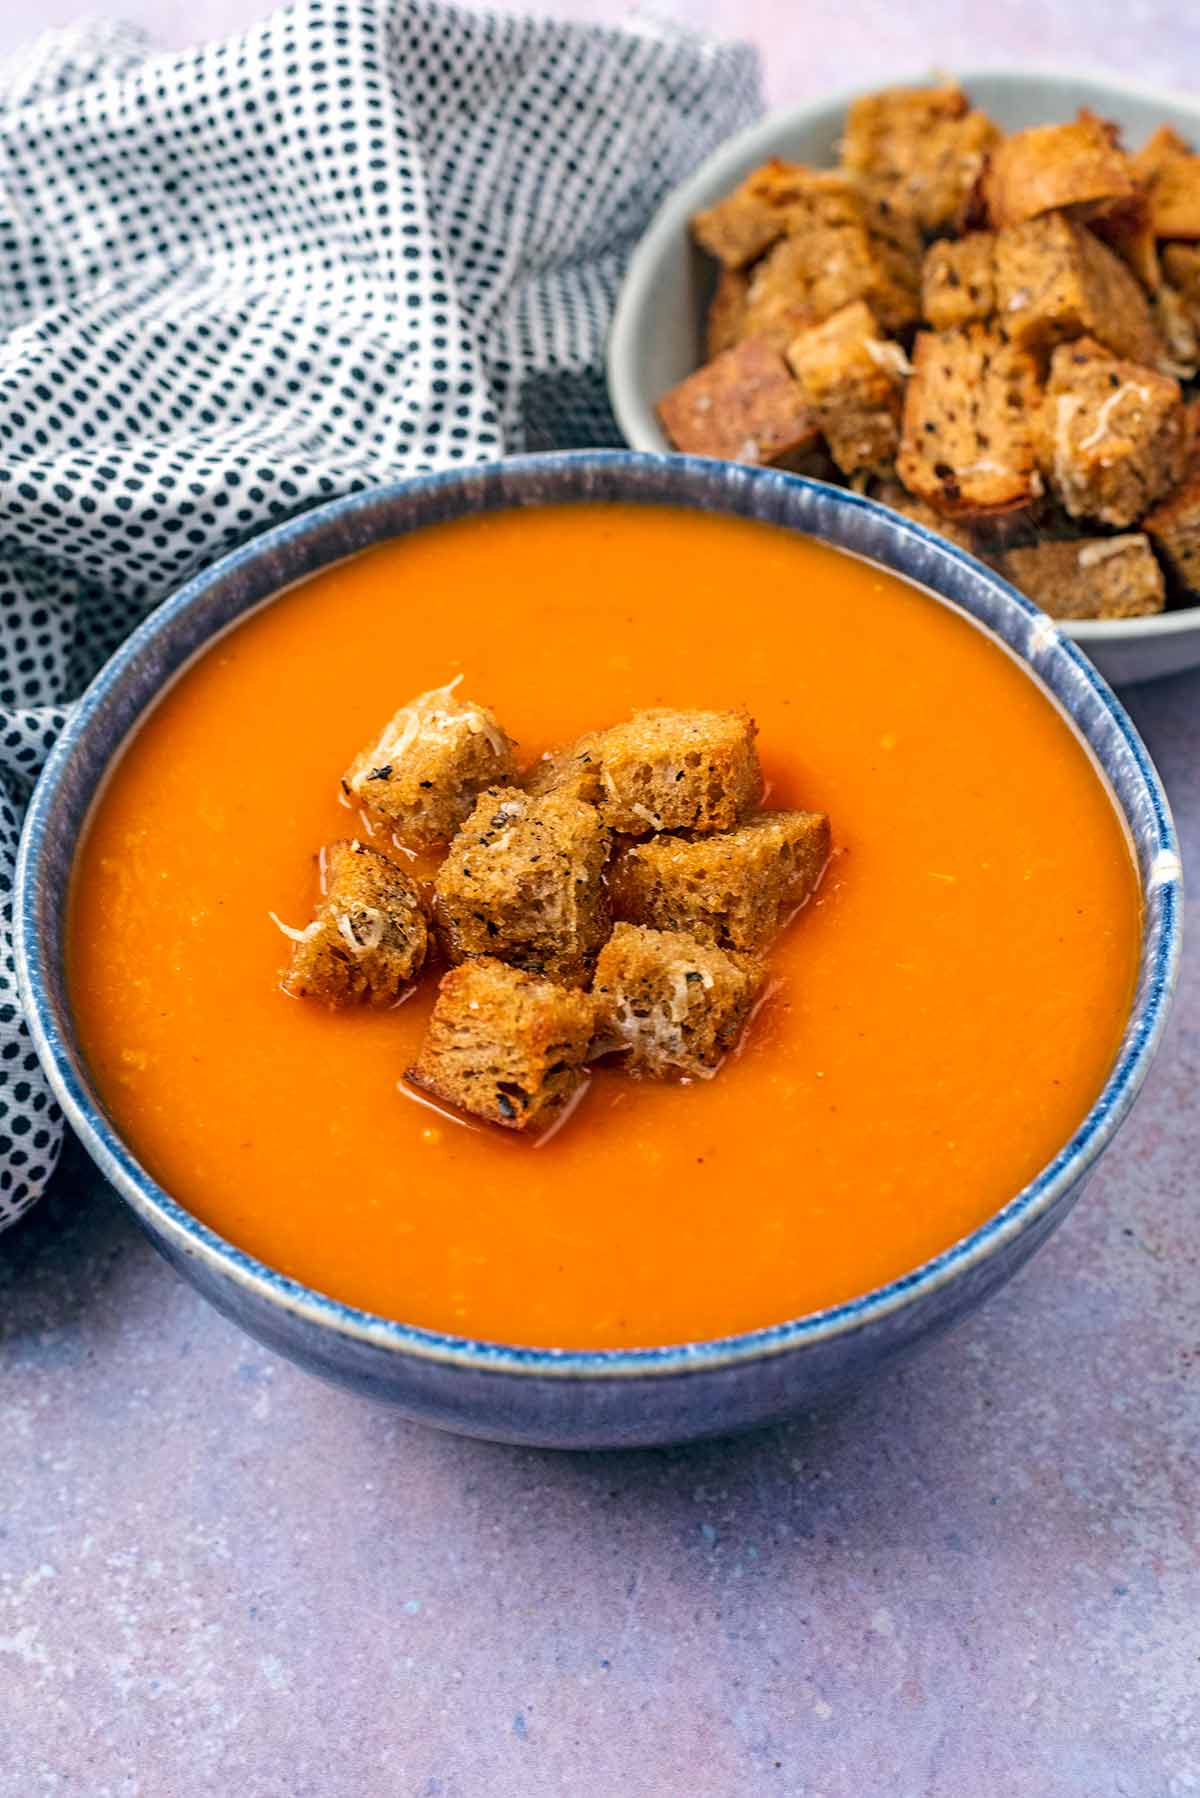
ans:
(899, 499)
(1171, 173)
(924, 145)
(744, 407)
(1113, 435)
(1179, 330)
(967, 445)
(433, 758)
(1175, 529)
(1054, 166)
(671, 1004)
(737, 888)
(958, 281)
(854, 382)
(504, 1045)
(1090, 577)
(522, 882)
(726, 313)
(1181, 266)
(1055, 281)
(843, 244)
(368, 938)
(574, 769)
(748, 221)
(1128, 228)
(669, 770)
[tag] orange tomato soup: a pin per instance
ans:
(945, 1011)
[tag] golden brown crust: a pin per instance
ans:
(744, 407)
(853, 380)
(368, 939)
(1056, 281)
(1089, 577)
(1171, 175)
(667, 770)
(423, 774)
(1113, 436)
(1175, 529)
(726, 312)
(740, 227)
(574, 769)
(1051, 167)
(504, 1045)
(958, 281)
(735, 889)
(523, 881)
(923, 145)
(670, 1004)
(967, 445)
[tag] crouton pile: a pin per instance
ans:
(616, 899)
(997, 336)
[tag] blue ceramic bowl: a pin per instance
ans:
(596, 1398)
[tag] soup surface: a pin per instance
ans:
(944, 1012)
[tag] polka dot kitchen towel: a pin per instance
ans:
(358, 241)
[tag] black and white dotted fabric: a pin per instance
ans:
(358, 241)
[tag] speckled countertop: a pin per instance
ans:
(979, 1579)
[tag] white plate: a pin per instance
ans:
(657, 331)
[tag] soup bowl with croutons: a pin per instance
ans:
(600, 949)
(975, 300)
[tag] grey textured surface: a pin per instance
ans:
(981, 1576)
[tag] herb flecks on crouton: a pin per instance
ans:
(853, 378)
(967, 446)
(523, 882)
(669, 1003)
(423, 774)
(368, 939)
(1056, 281)
(924, 146)
(506, 1046)
(667, 770)
(742, 407)
(735, 888)
(1114, 437)
(1089, 577)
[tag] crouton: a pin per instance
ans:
(1113, 437)
(667, 770)
(899, 499)
(1175, 529)
(1171, 175)
(1181, 266)
(1051, 167)
(744, 407)
(967, 442)
(368, 938)
(843, 245)
(958, 281)
(433, 758)
(726, 312)
(574, 770)
(1090, 577)
(671, 1004)
(853, 380)
(736, 888)
(1055, 281)
(1179, 329)
(504, 1045)
(1128, 228)
(738, 229)
(522, 882)
(924, 145)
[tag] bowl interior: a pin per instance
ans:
(186, 623)
(657, 336)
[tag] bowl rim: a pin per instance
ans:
(629, 403)
(189, 1237)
